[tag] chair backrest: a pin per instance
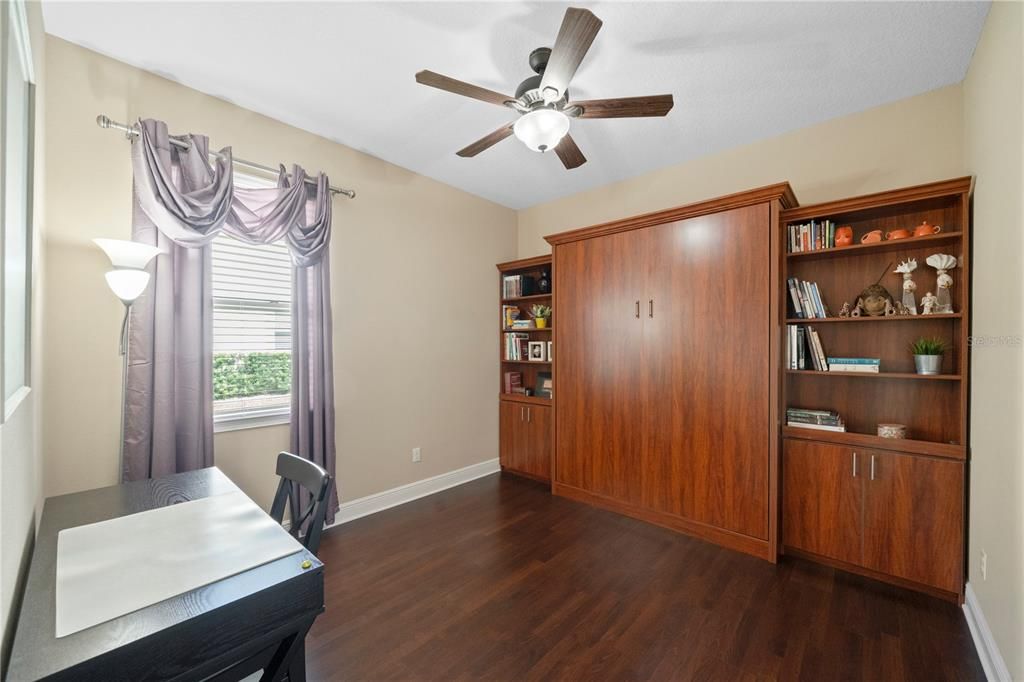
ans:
(317, 482)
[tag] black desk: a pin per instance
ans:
(251, 621)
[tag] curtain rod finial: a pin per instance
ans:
(103, 121)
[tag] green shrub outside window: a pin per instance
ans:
(243, 375)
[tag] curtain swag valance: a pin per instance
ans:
(191, 201)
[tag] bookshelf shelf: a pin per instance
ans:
(525, 362)
(878, 375)
(528, 399)
(879, 247)
(864, 440)
(865, 319)
(525, 329)
(524, 299)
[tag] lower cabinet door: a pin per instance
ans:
(537, 458)
(914, 518)
(821, 498)
(512, 434)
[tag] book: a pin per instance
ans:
(817, 427)
(854, 361)
(855, 369)
(795, 297)
(516, 347)
(513, 381)
(819, 352)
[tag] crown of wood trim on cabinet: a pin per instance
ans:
(878, 199)
(780, 192)
(525, 263)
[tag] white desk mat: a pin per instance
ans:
(114, 567)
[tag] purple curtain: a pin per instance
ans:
(181, 203)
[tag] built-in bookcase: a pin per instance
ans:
(933, 407)
(531, 270)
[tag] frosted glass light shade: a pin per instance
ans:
(541, 129)
(127, 254)
(127, 285)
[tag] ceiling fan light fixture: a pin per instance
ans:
(541, 129)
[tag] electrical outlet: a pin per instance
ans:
(984, 565)
(415, 454)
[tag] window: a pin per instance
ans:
(252, 333)
(16, 132)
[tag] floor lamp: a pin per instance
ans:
(127, 280)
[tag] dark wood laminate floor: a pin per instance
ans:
(498, 580)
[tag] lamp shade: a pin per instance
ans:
(127, 285)
(541, 129)
(127, 254)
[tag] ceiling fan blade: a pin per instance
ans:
(436, 80)
(486, 142)
(569, 153)
(579, 27)
(625, 107)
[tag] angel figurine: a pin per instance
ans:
(845, 310)
(942, 262)
(906, 269)
(928, 303)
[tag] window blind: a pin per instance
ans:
(252, 295)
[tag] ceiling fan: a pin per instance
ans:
(542, 100)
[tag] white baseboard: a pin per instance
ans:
(991, 660)
(371, 504)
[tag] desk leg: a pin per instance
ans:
(290, 658)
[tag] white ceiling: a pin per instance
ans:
(739, 72)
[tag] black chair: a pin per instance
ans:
(294, 472)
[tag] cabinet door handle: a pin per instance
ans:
(529, 414)
(522, 413)
(650, 308)
(638, 309)
(855, 465)
(872, 467)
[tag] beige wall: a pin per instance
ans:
(911, 141)
(20, 466)
(413, 291)
(994, 150)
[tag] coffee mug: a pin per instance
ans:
(871, 237)
(897, 234)
(844, 235)
(924, 229)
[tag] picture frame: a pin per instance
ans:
(551, 355)
(538, 351)
(545, 386)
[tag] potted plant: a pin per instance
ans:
(541, 314)
(928, 355)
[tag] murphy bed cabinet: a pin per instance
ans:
(667, 367)
(673, 382)
(525, 421)
(891, 509)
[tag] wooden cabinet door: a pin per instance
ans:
(706, 328)
(537, 455)
(914, 518)
(598, 288)
(512, 434)
(822, 499)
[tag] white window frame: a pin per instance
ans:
(252, 419)
(14, 25)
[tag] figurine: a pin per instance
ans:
(942, 262)
(901, 309)
(858, 309)
(873, 299)
(890, 310)
(909, 287)
(845, 310)
(928, 303)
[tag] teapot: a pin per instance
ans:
(897, 234)
(871, 237)
(924, 229)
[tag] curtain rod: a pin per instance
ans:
(130, 132)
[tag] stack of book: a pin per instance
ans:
(820, 420)
(805, 349)
(813, 236)
(807, 301)
(517, 346)
(514, 382)
(866, 365)
(516, 285)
